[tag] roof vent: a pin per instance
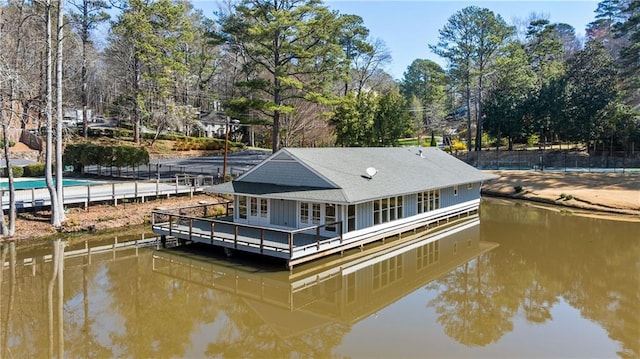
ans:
(420, 153)
(371, 171)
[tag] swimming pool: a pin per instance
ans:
(40, 183)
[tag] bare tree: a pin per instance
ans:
(7, 85)
(366, 65)
(55, 216)
(10, 84)
(308, 118)
(59, 117)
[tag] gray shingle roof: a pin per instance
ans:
(339, 174)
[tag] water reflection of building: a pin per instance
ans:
(344, 290)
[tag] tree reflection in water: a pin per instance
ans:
(589, 262)
(7, 251)
(244, 335)
(468, 306)
(122, 303)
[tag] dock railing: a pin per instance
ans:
(213, 223)
(108, 191)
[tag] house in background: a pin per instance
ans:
(305, 203)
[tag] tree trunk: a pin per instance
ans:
(83, 74)
(479, 122)
(60, 115)
(10, 228)
(275, 141)
(137, 97)
(468, 95)
(55, 219)
(6, 321)
(50, 287)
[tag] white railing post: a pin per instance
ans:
(113, 194)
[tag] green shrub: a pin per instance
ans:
(34, 170)
(518, 189)
(17, 171)
(11, 143)
(86, 154)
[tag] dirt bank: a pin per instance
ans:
(617, 193)
(34, 226)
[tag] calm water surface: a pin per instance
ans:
(524, 282)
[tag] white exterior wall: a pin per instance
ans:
(364, 215)
(283, 213)
(410, 205)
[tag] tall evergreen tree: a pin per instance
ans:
(145, 38)
(354, 43)
(391, 120)
(590, 88)
(506, 110)
(469, 41)
(87, 16)
(292, 49)
(629, 59)
(610, 14)
(427, 82)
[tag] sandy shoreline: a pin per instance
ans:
(605, 193)
(614, 193)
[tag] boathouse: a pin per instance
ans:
(305, 203)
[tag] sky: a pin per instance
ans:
(408, 27)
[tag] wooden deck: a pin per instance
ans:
(296, 246)
(222, 231)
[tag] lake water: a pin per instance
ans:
(524, 282)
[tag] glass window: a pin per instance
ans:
(315, 213)
(330, 216)
(384, 210)
(376, 212)
(242, 207)
(304, 212)
(351, 218)
(253, 208)
(392, 209)
(263, 208)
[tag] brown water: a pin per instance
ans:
(525, 282)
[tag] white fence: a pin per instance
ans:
(112, 192)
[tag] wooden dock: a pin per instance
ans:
(106, 192)
(296, 246)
